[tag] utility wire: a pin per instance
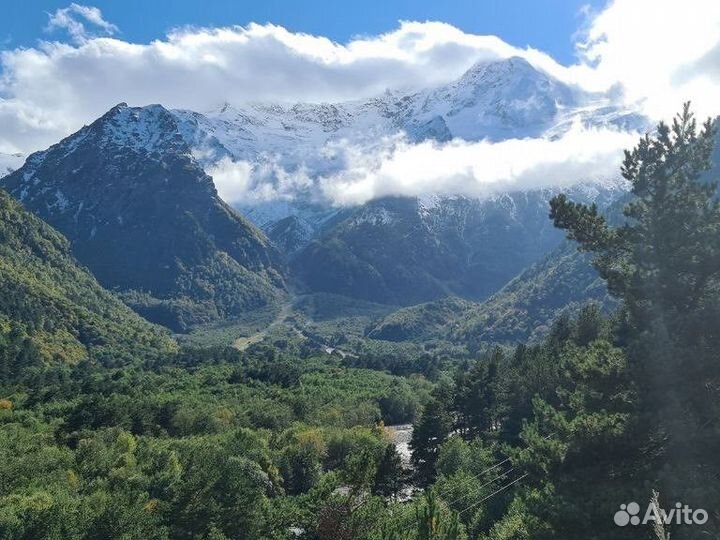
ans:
(492, 494)
(478, 475)
(482, 473)
(503, 475)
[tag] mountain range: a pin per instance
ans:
(405, 251)
(147, 221)
(134, 195)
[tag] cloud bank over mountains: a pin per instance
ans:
(398, 167)
(478, 169)
(641, 51)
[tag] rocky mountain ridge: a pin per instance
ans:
(147, 220)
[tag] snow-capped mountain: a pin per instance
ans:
(288, 147)
(146, 219)
(492, 100)
(407, 250)
(137, 183)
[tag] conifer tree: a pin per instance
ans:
(428, 436)
(663, 263)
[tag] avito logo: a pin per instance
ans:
(681, 514)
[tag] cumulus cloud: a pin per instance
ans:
(658, 54)
(662, 53)
(71, 19)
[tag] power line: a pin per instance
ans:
(478, 475)
(481, 473)
(484, 485)
(492, 494)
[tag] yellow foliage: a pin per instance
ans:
(313, 438)
(73, 479)
(5, 404)
(126, 442)
(224, 416)
(60, 345)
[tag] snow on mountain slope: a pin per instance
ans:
(138, 180)
(405, 250)
(142, 214)
(288, 149)
(10, 162)
(493, 100)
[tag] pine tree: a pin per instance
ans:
(428, 435)
(476, 396)
(663, 262)
(390, 475)
(588, 325)
(433, 525)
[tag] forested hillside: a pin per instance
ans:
(527, 306)
(605, 409)
(109, 430)
(141, 213)
(524, 310)
(52, 309)
(404, 251)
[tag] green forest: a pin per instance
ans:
(112, 429)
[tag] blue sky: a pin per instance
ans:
(58, 72)
(548, 25)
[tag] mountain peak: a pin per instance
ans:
(503, 98)
(500, 70)
(148, 129)
(119, 107)
(145, 218)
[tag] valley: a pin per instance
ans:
(251, 323)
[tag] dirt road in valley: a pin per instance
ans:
(243, 343)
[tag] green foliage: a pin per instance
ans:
(434, 524)
(150, 224)
(175, 447)
(429, 433)
(663, 263)
(476, 395)
(390, 474)
(53, 309)
(527, 307)
(423, 322)
(635, 400)
(607, 410)
(538, 442)
(397, 358)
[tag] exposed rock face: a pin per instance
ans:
(144, 216)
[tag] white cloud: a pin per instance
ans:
(71, 19)
(663, 52)
(478, 168)
(232, 179)
(395, 166)
(658, 52)
(242, 182)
